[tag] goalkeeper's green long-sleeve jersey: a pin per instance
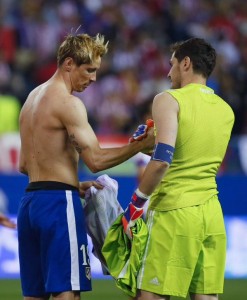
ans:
(123, 257)
(205, 122)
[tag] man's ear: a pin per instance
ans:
(186, 63)
(68, 63)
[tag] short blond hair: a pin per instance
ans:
(82, 48)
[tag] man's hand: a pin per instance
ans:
(133, 212)
(6, 222)
(85, 185)
(141, 131)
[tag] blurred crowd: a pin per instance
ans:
(136, 66)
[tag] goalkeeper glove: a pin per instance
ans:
(141, 131)
(133, 212)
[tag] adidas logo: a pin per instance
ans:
(155, 281)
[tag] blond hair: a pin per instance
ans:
(82, 48)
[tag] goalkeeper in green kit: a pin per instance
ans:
(186, 244)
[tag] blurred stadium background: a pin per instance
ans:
(133, 71)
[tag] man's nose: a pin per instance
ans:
(93, 77)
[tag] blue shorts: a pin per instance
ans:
(53, 248)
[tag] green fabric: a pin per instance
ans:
(124, 257)
(204, 126)
(185, 252)
(9, 114)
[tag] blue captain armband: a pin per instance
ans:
(163, 152)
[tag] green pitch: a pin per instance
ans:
(106, 290)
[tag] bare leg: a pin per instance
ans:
(203, 297)
(36, 298)
(144, 295)
(66, 296)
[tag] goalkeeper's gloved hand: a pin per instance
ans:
(141, 131)
(134, 211)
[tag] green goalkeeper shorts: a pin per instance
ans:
(185, 252)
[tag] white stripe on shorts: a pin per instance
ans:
(149, 225)
(75, 282)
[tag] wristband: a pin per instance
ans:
(139, 199)
(141, 194)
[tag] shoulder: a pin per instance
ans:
(72, 101)
(165, 100)
(164, 96)
(224, 105)
(70, 105)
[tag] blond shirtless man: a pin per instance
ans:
(55, 134)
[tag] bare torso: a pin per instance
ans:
(55, 131)
(47, 153)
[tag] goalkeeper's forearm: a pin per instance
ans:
(152, 176)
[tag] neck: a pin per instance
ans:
(198, 79)
(65, 78)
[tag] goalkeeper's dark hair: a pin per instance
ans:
(201, 54)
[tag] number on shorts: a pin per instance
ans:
(85, 256)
